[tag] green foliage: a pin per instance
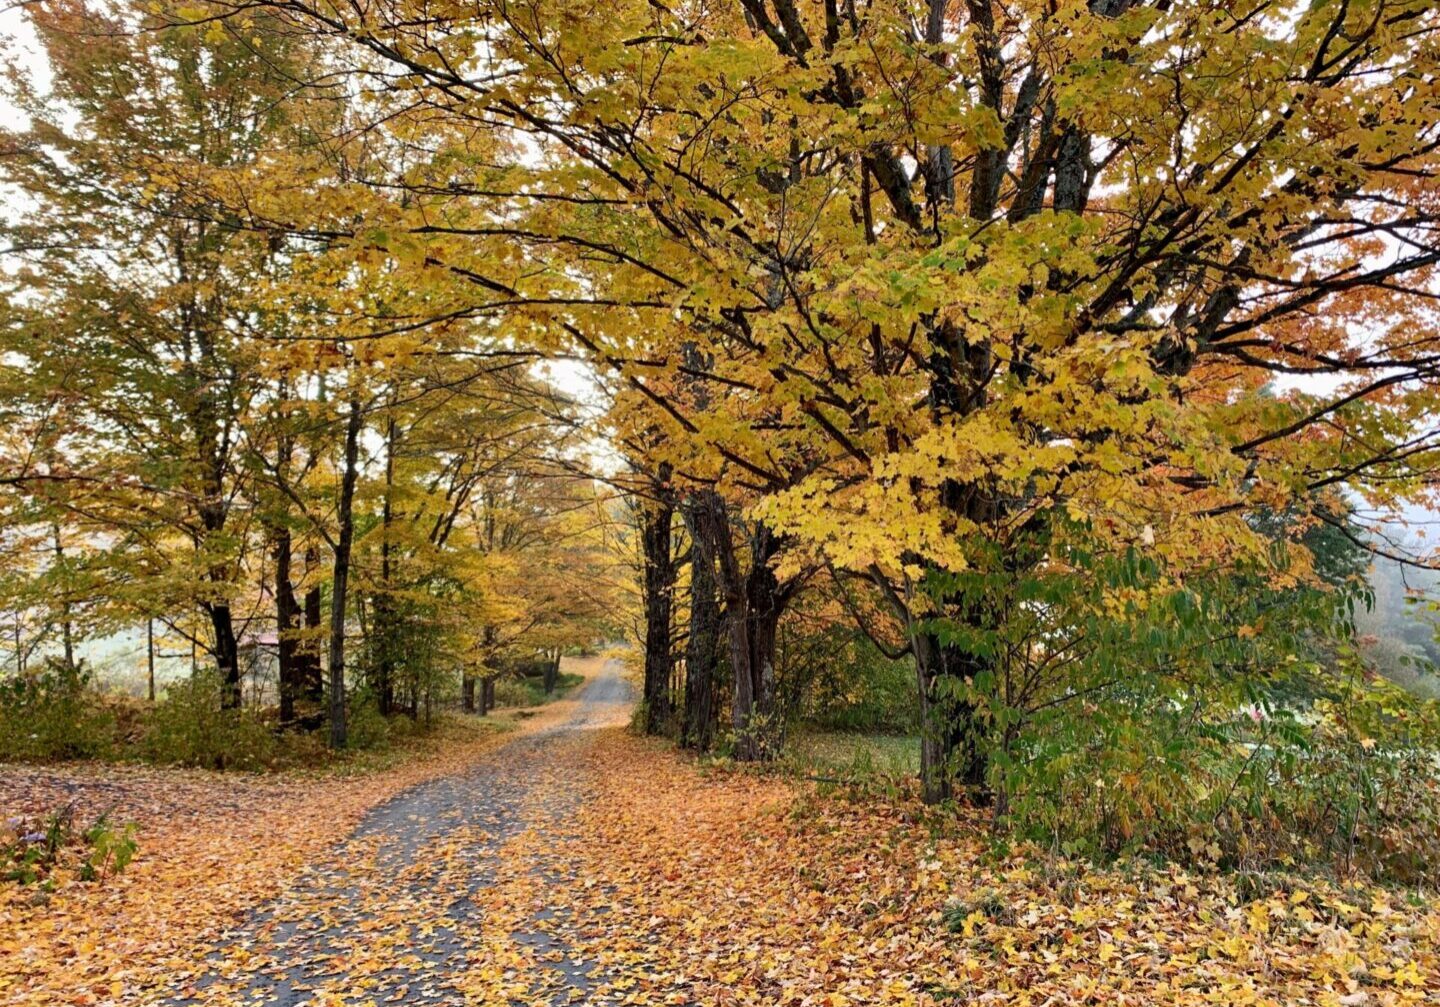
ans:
(1224, 721)
(54, 713)
(35, 849)
(852, 756)
(189, 728)
(1350, 787)
(366, 727)
(1360, 791)
(860, 689)
(530, 690)
(112, 848)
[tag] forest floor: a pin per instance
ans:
(569, 862)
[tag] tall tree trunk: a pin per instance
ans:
(287, 626)
(340, 579)
(309, 672)
(951, 748)
(385, 628)
(754, 602)
(656, 519)
(213, 450)
(467, 692)
(702, 649)
(227, 654)
(552, 670)
(150, 655)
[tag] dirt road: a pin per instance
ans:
(439, 894)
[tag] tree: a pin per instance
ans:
(655, 516)
(960, 269)
(129, 311)
(702, 645)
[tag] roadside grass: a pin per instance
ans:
(407, 742)
(56, 720)
(513, 693)
(852, 757)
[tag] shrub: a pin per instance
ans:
(1362, 793)
(1350, 786)
(530, 691)
(188, 727)
(112, 848)
(861, 690)
(35, 849)
(54, 714)
(1225, 720)
(366, 728)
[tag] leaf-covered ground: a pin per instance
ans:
(212, 848)
(574, 863)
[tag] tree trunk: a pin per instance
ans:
(552, 671)
(951, 749)
(287, 625)
(385, 628)
(702, 651)
(150, 655)
(227, 654)
(754, 602)
(339, 581)
(487, 694)
(467, 692)
(755, 715)
(656, 519)
(309, 672)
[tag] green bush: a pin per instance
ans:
(1362, 793)
(530, 691)
(33, 849)
(861, 690)
(54, 714)
(188, 727)
(1350, 786)
(366, 728)
(1225, 720)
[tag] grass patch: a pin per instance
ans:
(530, 691)
(853, 756)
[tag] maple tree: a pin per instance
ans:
(967, 286)
(1051, 357)
(121, 316)
(188, 416)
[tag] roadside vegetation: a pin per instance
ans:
(1000, 437)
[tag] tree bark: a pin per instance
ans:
(385, 628)
(754, 602)
(287, 626)
(308, 670)
(950, 745)
(339, 581)
(227, 654)
(656, 519)
(467, 692)
(702, 650)
(150, 656)
(552, 671)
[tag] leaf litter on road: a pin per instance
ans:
(586, 865)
